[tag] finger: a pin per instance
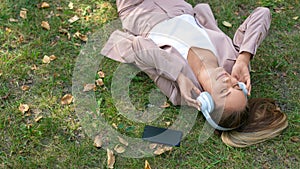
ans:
(196, 90)
(193, 103)
(248, 85)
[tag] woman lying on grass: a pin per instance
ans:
(184, 52)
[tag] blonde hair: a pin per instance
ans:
(262, 120)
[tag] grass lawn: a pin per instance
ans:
(51, 135)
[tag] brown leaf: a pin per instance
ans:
(52, 57)
(227, 24)
(34, 67)
(165, 105)
(101, 74)
(45, 25)
(37, 119)
(119, 149)
(23, 14)
(65, 31)
(89, 87)
(23, 108)
(73, 19)
(98, 141)
(99, 82)
(123, 141)
(110, 158)
(147, 165)
(81, 36)
(25, 87)
(295, 139)
(43, 5)
(66, 99)
(46, 59)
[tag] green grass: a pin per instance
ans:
(58, 140)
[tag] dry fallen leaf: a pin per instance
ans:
(98, 141)
(65, 31)
(52, 57)
(168, 123)
(37, 119)
(147, 165)
(101, 74)
(46, 59)
(119, 149)
(45, 25)
(161, 150)
(123, 141)
(165, 105)
(13, 20)
(152, 146)
(34, 67)
(43, 5)
(115, 126)
(8, 30)
(23, 14)
(66, 99)
(89, 87)
(227, 24)
(73, 19)
(25, 87)
(295, 139)
(81, 36)
(110, 158)
(71, 5)
(99, 82)
(296, 17)
(23, 108)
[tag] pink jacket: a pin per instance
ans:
(164, 63)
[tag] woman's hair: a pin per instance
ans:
(260, 121)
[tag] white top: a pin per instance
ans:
(181, 32)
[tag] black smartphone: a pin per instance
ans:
(162, 135)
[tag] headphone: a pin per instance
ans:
(207, 106)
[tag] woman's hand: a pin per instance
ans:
(186, 87)
(240, 70)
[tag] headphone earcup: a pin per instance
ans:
(207, 103)
(243, 87)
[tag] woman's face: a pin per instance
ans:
(226, 92)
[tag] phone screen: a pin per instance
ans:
(162, 135)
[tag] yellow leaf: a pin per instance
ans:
(99, 82)
(110, 158)
(123, 141)
(227, 24)
(73, 19)
(98, 141)
(101, 74)
(8, 30)
(119, 149)
(23, 14)
(168, 123)
(23, 108)
(147, 165)
(45, 25)
(296, 17)
(66, 99)
(25, 87)
(89, 87)
(46, 59)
